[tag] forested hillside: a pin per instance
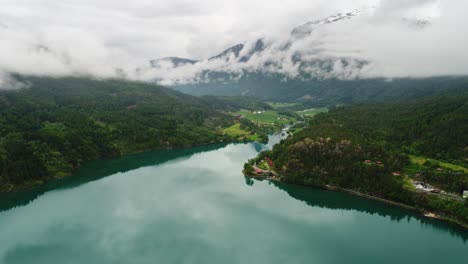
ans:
(364, 148)
(314, 92)
(50, 128)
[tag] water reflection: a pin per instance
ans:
(197, 208)
(99, 169)
(332, 200)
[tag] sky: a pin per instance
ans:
(96, 37)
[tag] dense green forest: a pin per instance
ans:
(312, 92)
(50, 128)
(333, 149)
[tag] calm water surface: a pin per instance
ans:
(194, 206)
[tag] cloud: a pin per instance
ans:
(109, 37)
(9, 83)
(402, 8)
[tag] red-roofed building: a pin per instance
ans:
(269, 161)
(258, 171)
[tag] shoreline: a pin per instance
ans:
(424, 213)
(28, 185)
(330, 188)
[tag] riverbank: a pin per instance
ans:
(424, 213)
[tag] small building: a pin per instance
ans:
(419, 186)
(270, 162)
(465, 194)
(423, 186)
(258, 171)
(378, 162)
(368, 161)
(396, 173)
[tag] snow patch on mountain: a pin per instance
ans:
(307, 28)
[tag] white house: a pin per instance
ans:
(465, 194)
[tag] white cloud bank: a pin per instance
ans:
(105, 38)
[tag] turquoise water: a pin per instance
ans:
(194, 206)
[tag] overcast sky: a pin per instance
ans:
(62, 37)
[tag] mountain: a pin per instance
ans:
(230, 54)
(175, 61)
(233, 53)
(317, 82)
(307, 28)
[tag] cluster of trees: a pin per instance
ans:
(332, 150)
(52, 127)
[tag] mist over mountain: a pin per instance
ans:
(267, 56)
(286, 70)
(325, 48)
(337, 39)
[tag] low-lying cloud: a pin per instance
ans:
(118, 38)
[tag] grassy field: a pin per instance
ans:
(407, 184)
(263, 165)
(313, 111)
(282, 105)
(267, 117)
(236, 131)
(420, 160)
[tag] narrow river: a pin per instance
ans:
(194, 206)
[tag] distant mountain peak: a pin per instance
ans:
(307, 28)
(176, 61)
(234, 50)
(262, 53)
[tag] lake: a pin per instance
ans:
(195, 206)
